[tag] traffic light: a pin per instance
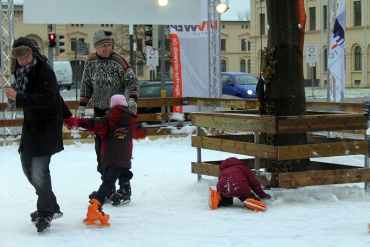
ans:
(52, 39)
(59, 50)
(152, 33)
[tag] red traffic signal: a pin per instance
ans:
(52, 39)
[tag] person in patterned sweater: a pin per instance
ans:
(107, 73)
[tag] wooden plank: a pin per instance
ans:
(339, 148)
(330, 174)
(224, 102)
(154, 117)
(237, 147)
(311, 178)
(324, 122)
(238, 122)
(143, 102)
(334, 106)
(333, 148)
(155, 102)
(316, 139)
(11, 123)
(212, 168)
(232, 103)
(280, 125)
(205, 169)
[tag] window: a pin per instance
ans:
(357, 13)
(223, 65)
(249, 66)
(223, 44)
(357, 82)
(262, 24)
(225, 79)
(242, 66)
(243, 45)
(325, 17)
(358, 58)
(140, 68)
(325, 59)
(139, 43)
(249, 45)
(312, 11)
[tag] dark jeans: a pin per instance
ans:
(37, 172)
(109, 178)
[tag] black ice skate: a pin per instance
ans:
(123, 195)
(34, 215)
(93, 194)
(43, 224)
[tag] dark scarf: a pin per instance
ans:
(20, 82)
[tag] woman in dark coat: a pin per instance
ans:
(237, 180)
(35, 89)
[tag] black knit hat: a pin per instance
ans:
(23, 47)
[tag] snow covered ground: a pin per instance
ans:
(169, 206)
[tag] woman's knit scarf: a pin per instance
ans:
(20, 82)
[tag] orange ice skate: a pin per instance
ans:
(95, 216)
(214, 198)
(255, 205)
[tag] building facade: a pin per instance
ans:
(316, 32)
(241, 42)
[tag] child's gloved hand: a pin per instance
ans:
(132, 105)
(71, 122)
(267, 197)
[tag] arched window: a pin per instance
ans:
(242, 65)
(249, 65)
(358, 58)
(140, 68)
(223, 65)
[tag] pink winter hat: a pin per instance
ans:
(118, 99)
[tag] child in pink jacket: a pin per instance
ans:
(237, 180)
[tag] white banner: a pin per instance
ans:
(190, 59)
(112, 12)
(336, 63)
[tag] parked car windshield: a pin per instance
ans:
(153, 89)
(246, 80)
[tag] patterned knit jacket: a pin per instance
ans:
(105, 77)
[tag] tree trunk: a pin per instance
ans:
(283, 74)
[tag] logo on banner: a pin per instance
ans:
(194, 30)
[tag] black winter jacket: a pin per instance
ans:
(44, 110)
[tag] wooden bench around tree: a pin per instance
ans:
(247, 129)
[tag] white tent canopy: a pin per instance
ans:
(111, 12)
